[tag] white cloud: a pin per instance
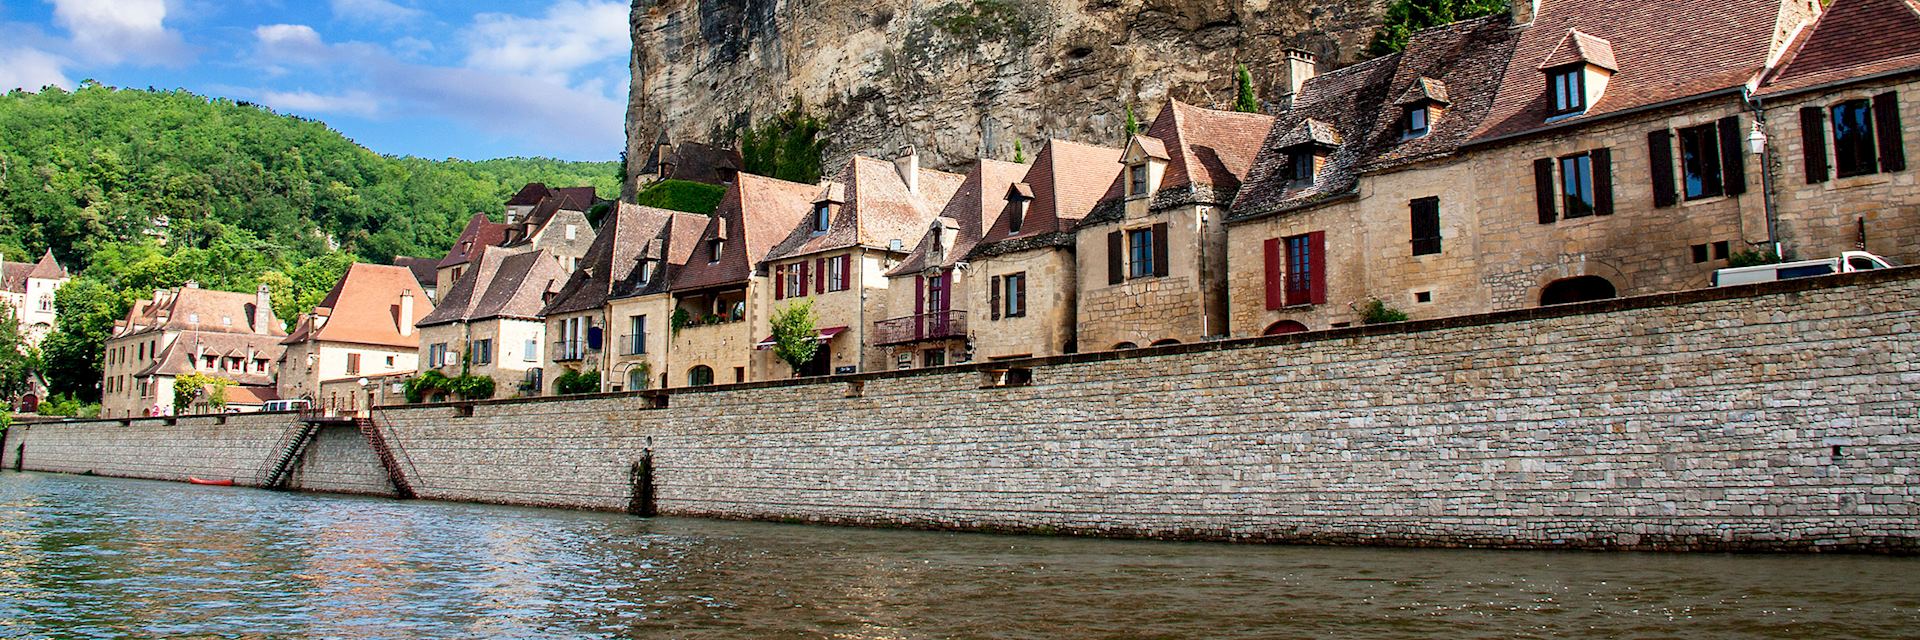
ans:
(374, 11)
(112, 31)
(30, 69)
(357, 103)
(571, 35)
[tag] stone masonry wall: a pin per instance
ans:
(1780, 416)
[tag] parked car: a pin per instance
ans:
(295, 404)
(1848, 262)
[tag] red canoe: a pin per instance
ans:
(217, 483)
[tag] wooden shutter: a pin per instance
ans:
(993, 298)
(919, 295)
(1602, 162)
(1543, 192)
(803, 277)
(1317, 258)
(1115, 274)
(1276, 285)
(1886, 125)
(1733, 159)
(1813, 143)
(1020, 297)
(1160, 249)
(846, 273)
(1660, 165)
(780, 282)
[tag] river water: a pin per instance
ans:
(97, 557)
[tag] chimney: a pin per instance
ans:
(193, 284)
(406, 313)
(1523, 11)
(909, 168)
(262, 307)
(1301, 67)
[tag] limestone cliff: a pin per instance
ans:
(962, 79)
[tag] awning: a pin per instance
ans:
(823, 336)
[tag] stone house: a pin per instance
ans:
(854, 229)
(537, 217)
(692, 161)
(479, 233)
(27, 289)
(1151, 255)
(581, 336)
(1026, 254)
(189, 330)
(929, 292)
(640, 308)
(488, 322)
(1842, 108)
(717, 298)
(363, 329)
(1398, 182)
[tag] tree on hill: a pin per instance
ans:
(787, 146)
(1244, 101)
(1407, 17)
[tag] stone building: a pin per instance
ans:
(1425, 182)
(530, 215)
(27, 288)
(629, 250)
(1026, 255)
(929, 292)
(718, 298)
(1842, 108)
(189, 330)
(488, 322)
(478, 234)
(425, 271)
(363, 329)
(853, 231)
(1151, 256)
(640, 308)
(691, 161)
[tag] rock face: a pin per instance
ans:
(961, 79)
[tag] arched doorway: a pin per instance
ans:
(1166, 342)
(1577, 289)
(1284, 327)
(1124, 346)
(700, 376)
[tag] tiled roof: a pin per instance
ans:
(176, 358)
(364, 308)
(480, 232)
(625, 235)
(251, 394)
(529, 195)
(204, 310)
(1853, 39)
(1209, 150)
(47, 268)
(702, 162)
(579, 199)
(1462, 61)
(500, 282)
(977, 204)
(879, 209)
(1424, 90)
(1665, 51)
(1065, 180)
(423, 269)
(1580, 47)
(755, 213)
(674, 246)
(13, 276)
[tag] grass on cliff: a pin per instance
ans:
(682, 195)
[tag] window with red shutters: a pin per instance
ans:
(803, 277)
(780, 282)
(820, 275)
(1306, 279)
(1275, 284)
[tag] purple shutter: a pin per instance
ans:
(1160, 250)
(993, 298)
(1317, 257)
(1886, 125)
(1115, 273)
(1543, 192)
(1660, 159)
(1813, 143)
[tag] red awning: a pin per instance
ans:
(823, 336)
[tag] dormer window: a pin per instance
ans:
(1137, 180)
(1423, 101)
(646, 271)
(822, 217)
(1416, 121)
(1569, 91)
(1301, 163)
(1016, 215)
(714, 248)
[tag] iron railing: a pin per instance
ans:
(926, 326)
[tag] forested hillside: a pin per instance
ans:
(137, 189)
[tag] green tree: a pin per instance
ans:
(794, 329)
(1133, 122)
(18, 360)
(1245, 101)
(787, 146)
(1019, 153)
(1407, 17)
(193, 386)
(575, 382)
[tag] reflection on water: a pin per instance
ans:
(93, 557)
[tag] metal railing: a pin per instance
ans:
(926, 326)
(571, 350)
(633, 344)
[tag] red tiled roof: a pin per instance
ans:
(879, 209)
(364, 308)
(177, 358)
(755, 213)
(206, 310)
(480, 232)
(502, 282)
(700, 162)
(615, 253)
(1205, 147)
(978, 203)
(1581, 47)
(1668, 50)
(529, 195)
(1853, 39)
(47, 268)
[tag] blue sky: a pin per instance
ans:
(432, 78)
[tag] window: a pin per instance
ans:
(46, 303)
(933, 358)
(700, 376)
(793, 277)
(260, 364)
(1416, 124)
(714, 247)
(353, 364)
(573, 232)
(389, 361)
(1301, 164)
(646, 271)
(1013, 295)
(1700, 161)
(1426, 226)
(1699, 253)
(822, 217)
(1569, 91)
(1576, 185)
(1017, 215)
(1853, 140)
(636, 343)
(636, 379)
(837, 268)
(483, 352)
(1305, 279)
(1139, 253)
(1137, 180)
(532, 352)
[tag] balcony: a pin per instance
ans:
(926, 326)
(572, 350)
(634, 344)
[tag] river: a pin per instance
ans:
(98, 557)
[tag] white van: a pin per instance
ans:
(1848, 262)
(295, 404)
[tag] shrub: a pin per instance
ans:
(1751, 258)
(471, 387)
(573, 382)
(426, 384)
(681, 195)
(187, 388)
(1377, 312)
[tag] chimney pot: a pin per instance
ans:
(1303, 66)
(406, 313)
(262, 309)
(908, 166)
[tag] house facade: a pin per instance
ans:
(488, 322)
(628, 254)
(718, 298)
(189, 330)
(930, 292)
(363, 329)
(1151, 262)
(27, 289)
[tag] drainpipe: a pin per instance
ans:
(1765, 145)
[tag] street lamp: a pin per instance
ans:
(1757, 141)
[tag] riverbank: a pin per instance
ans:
(1778, 417)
